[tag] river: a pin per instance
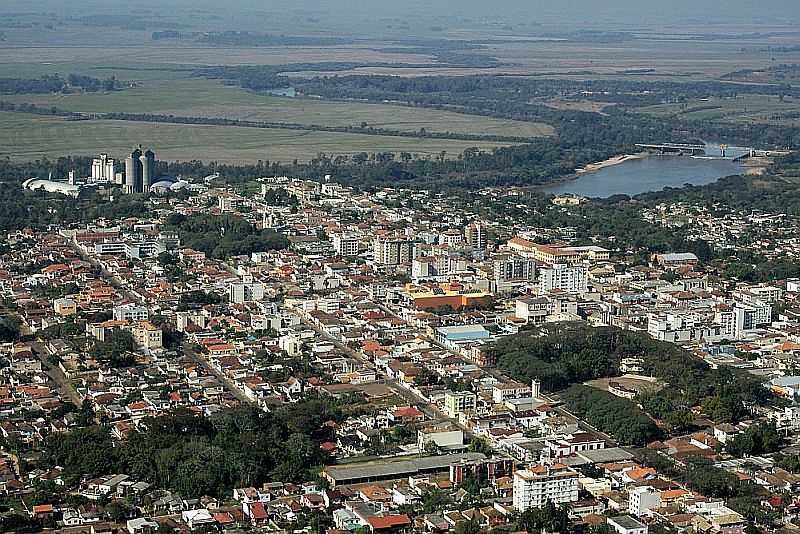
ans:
(652, 173)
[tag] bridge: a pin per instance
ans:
(674, 148)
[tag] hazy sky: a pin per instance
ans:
(630, 12)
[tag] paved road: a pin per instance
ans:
(64, 384)
(497, 374)
(429, 409)
(200, 359)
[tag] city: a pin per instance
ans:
(322, 269)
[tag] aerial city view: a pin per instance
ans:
(436, 266)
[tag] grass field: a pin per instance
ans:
(197, 97)
(24, 137)
(744, 108)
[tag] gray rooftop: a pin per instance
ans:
(397, 468)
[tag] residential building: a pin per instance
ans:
(562, 277)
(476, 236)
(346, 244)
(625, 524)
(246, 291)
(539, 484)
(131, 312)
(456, 403)
(392, 250)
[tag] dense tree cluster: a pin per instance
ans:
(53, 83)
(758, 439)
(204, 455)
(617, 416)
(224, 236)
(116, 350)
(563, 354)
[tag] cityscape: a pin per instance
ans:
(547, 298)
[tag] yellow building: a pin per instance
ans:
(64, 307)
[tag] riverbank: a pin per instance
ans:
(610, 162)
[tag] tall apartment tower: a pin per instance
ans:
(475, 236)
(392, 251)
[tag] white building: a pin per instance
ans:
(451, 238)
(131, 312)
(642, 500)
(562, 277)
(683, 327)
(625, 524)
(535, 486)
(103, 169)
(246, 291)
(392, 250)
(346, 244)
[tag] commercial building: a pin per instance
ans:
(390, 469)
(535, 486)
(140, 171)
(453, 295)
(103, 170)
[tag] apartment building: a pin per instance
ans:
(391, 251)
(563, 277)
(346, 244)
(535, 486)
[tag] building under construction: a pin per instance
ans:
(140, 171)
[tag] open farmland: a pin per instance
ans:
(24, 136)
(196, 97)
(742, 108)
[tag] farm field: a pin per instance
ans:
(24, 136)
(197, 97)
(742, 108)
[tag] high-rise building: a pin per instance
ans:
(103, 169)
(514, 269)
(246, 291)
(476, 236)
(535, 486)
(571, 279)
(346, 244)
(391, 251)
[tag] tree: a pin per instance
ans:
(9, 329)
(481, 445)
(468, 527)
(759, 439)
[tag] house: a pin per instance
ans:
(625, 524)
(142, 525)
(197, 518)
(255, 512)
(389, 523)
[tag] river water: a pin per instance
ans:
(652, 173)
